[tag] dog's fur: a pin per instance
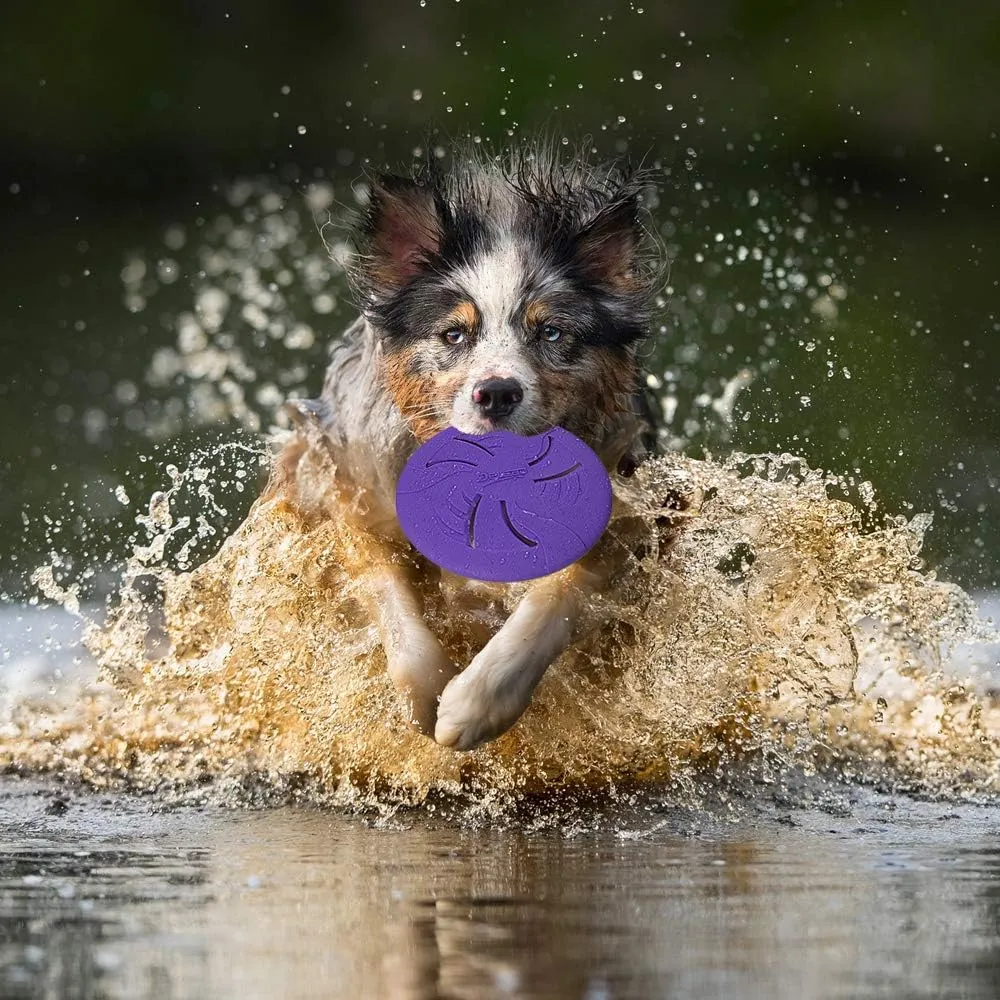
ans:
(524, 268)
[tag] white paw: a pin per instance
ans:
(482, 702)
(419, 676)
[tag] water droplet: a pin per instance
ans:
(301, 130)
(417, 94)
(167, 271)
(637, 74)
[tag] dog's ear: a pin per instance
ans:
(402, 229)
(608, 247)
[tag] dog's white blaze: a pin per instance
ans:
(495, 284)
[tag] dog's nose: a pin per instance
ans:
(497, 397)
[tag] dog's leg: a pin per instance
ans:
(417, 664)
(490, 695)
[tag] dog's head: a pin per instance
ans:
(507, 295)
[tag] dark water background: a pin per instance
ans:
(879, 123)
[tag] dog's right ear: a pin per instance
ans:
(402, 233)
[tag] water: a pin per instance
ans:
(834, 892)
(763, 619)
(706, 825)
(769, 771)
(779, 885)
(689, 806)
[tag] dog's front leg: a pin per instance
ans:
(491, 694)
(417, 664)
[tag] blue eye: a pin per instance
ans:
(455, 337)
(551, 333)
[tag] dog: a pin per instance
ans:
(511, 292)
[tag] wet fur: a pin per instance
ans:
(498, 253)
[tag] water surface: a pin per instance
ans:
(813, 892)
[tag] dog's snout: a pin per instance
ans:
(497, 397)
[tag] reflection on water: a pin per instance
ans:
(102, 898)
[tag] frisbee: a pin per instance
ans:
(501, 506)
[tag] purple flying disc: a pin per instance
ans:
(504, 507)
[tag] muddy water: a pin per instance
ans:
(757, 616)
(688, 809)
(811, 891)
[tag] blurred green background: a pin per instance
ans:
(856, 143)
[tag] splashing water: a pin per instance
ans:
(268, 271)
(760, 614)
(762, 617)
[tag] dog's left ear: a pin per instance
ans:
(607, 248)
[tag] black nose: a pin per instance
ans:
(497, 397)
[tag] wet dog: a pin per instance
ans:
(501, 293)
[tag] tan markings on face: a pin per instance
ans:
(536, 314)
(424, 398)
(465, 316)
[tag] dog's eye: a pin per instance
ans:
(551, 333)
(455, 336)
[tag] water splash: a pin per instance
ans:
(764, 618)
(267, 262)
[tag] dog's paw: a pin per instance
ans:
(419, 676)
(482, 702)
